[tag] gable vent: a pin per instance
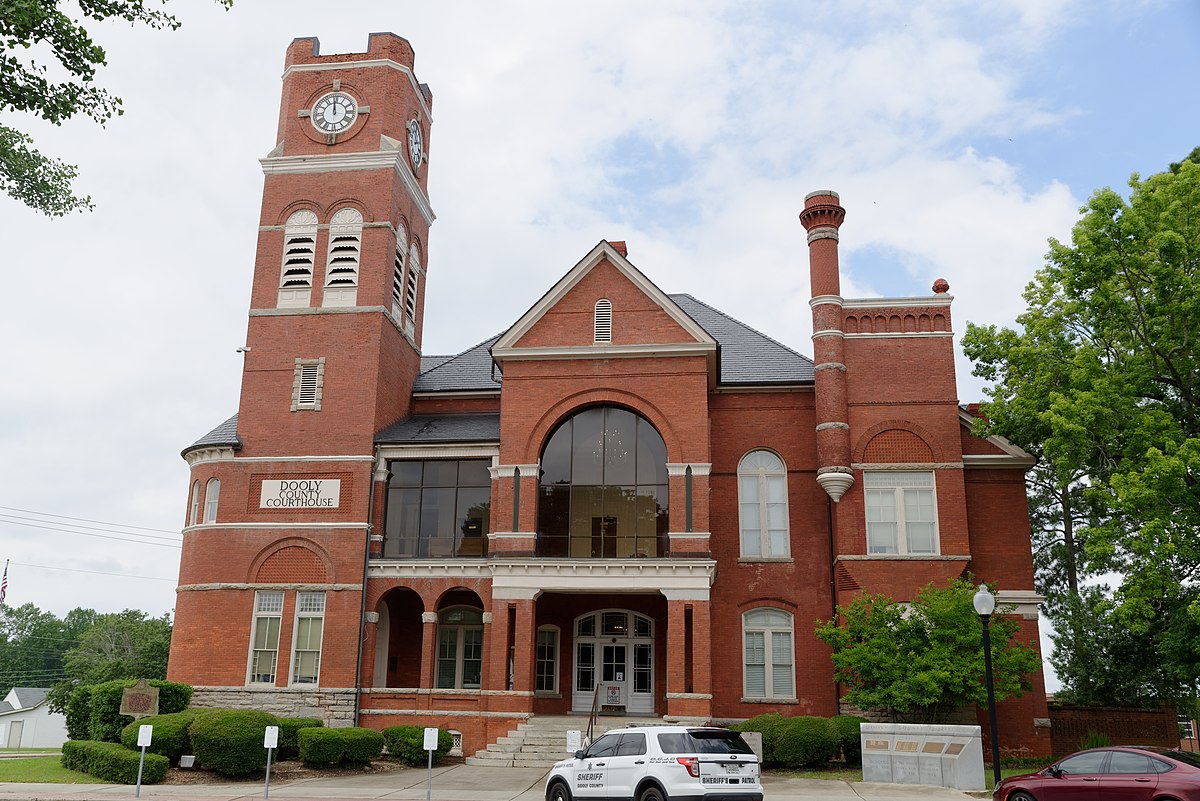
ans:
(341, 270)
(299, 255)
(603, 320)
(307, 384)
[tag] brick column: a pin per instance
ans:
(524, 650)
(822, 217)
(429, 638)
(514, 510)
(682, 704)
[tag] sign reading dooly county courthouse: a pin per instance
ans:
(304, 493)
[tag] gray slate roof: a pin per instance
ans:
(442, 428)
(224, 434)
(28, 697)
(469, 370)
(747, 356)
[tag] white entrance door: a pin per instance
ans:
(614, 663)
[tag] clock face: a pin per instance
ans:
(414, 143)
(334, 113)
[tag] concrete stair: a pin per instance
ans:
(542, 741)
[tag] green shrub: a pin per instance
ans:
(230, 741)
(846, 727)
(170, 734)
(769, 726)
(1094, 739)
(321, 747)
(407, 743)
(112, 762)
(806, 742)
(107, 721)
(362, 745)
(79, 712)
(289, 728)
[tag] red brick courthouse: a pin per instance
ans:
(628, 495)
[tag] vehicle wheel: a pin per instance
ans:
(652, 793)
(558, 792)
(1021, 795)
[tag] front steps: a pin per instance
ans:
(542, 741)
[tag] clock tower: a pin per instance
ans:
(278, 525)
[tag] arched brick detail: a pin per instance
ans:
(770, 601)
(298, 205)
(292, 561)
(346, 203)
(918, 442)
(459, 596)
(610, 397)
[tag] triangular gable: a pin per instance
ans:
(993, 451)
(695, 338)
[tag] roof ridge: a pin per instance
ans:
(742, 324)
(457, 356)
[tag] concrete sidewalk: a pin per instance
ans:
(450, 783)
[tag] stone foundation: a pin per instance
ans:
(334, 706)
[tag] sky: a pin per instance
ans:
(960, 136)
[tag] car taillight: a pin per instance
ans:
(692, 764)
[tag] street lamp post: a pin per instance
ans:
(985, 604)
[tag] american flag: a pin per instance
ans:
(4, 582)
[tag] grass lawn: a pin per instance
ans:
(42, 769)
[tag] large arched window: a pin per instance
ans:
(762, 505)
(603, 487)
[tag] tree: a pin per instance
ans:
(1103, 383)
(124, 645)
(40, 182)
(919, 662)
(31, 647)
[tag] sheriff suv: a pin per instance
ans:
(660, 763)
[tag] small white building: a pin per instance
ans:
(27, 722)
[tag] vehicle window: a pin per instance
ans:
(606, 746)
(632, 744)
(675, 743)
(1185, 757)
(719, 741)
(1087, 762)
(1160, 766)
(1128, 762)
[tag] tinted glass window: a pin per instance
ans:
(1186, 758)
(604, 747)
(1128, 762)
(632, 745)
(1089, 762)
(704, 741)
(1159, 766)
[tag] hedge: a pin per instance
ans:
(289, 729)
(170, 733)
(362, 745)
(230, 741)
(79, 713)
(112, 762)
(106, 721)
(806, 742)
(407, 743)
(321, 747)
(846, 727)
(768, 726)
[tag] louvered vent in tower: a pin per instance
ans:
(341, 267)
(398, 273)
(410, 297)
(603, 322)
(299, 255)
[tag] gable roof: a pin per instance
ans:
(747, 356)
(26, 697)
(506, 345)
(470, 370)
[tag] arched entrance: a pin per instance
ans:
(614, 653)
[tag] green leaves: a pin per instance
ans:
(1102, 382)
(923, 660)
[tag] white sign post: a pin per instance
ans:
(145, 734)
(270, 742)
(431, 738)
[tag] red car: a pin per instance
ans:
(1125, 773)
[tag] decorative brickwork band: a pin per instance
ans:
(829, 366)
(824, 232)
(827, 426)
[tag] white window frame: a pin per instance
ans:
(212, 499)
(343, 258)
(764, 478)
(553, 632)
(459, 649)
(194, 512)
(309, 606)
(308, 384)
(771, 632)
(298, 261)
(268, 606)
(602, 321)
(894, 492)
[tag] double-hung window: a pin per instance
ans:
(460, 648)
(212, 496)
(767, 654)
(901, 512)
(547, 660)
(762, 505)
(306, 645)
(264, 637)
